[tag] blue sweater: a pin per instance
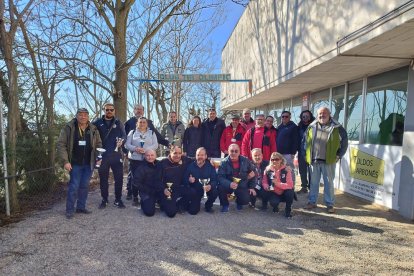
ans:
(287, 138)
(109, 133)
(206, 171)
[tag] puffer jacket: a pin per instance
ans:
(146, 177)
(225, 173)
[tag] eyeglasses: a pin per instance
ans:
(109, 110)
(275, 159)
(285, 116)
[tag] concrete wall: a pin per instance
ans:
(272, 38)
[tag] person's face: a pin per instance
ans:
(323, 116)
(260, 121)
(235, 122)
(196, 122)
(305, 117)
(138, 111)
(142, 124)
(234, 152)
(257, 157)
(82, 118)
(201, 156)
(175, 155)
(173, 118)
(212, 115)
(285, 118)
(246, 116)
(276, 161)
(150, 156)
(109, 111)
(269, 122)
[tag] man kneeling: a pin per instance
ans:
(198, 171)
(236, 175)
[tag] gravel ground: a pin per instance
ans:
(358, 239)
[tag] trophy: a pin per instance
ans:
(169, 184)
(233, 195)
(271, 176)
(99, 157)
(175, 139)
(117, 141)
(204, 182)
(216, 162)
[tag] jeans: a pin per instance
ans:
(328, 173)
(286, 196)
(78, 187)
(289, 162)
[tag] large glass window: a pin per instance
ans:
(338, 104)
(354, 105)
(319, 99)
(275, 111)
(386, 104)
(296, 109)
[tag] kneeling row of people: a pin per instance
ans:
(236, 174)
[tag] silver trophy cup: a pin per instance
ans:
(204, 182)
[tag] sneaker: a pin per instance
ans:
(103, 204)
(303, 191)
(239, 207)
(128, 197)
(310, 206)
(69, 215)
(330, 209)
(136, 201)
(209, 210)
(83, 211)
(263, 208)
(276, 209)
(288, 215)
(225, 208)
(118, 203)
(252, 205)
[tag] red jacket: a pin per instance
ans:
(282, 179)
(228, 135)
(268, 143)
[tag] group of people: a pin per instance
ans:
(258, 160)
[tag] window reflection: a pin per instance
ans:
(354, 106)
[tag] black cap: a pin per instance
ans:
(82, 110)
(235, 116)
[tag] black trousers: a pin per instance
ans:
(176, 203)
(262, 194)
(193, 196)
(242, 194)
(287, 196)
(304, 172)
(133, 164)
(148, 203)
(112, 161)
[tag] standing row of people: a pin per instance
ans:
(140, 137)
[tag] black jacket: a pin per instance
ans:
(211, 136)
(172, 172)
(287, 138)
(192, 140)
(145, 178)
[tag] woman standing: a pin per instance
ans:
(192, 137)
(278, 181)
(138, 141)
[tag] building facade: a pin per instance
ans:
(357, 58)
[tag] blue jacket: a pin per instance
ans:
(206, 171)
(109, 134)
(225, 173)
(287, 138)
(172, 172)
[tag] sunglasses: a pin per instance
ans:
(275, 159)
(305, 116)
(109, 110)
(234, 151)
(285, 116)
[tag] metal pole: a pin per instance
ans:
(3, 143)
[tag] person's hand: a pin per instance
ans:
(167, 193)
(207, 188)
(233, 185)
(119, 143)
(252, 192)
(141, 150)
(251, 175)
(68, 167)
(191, 179)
